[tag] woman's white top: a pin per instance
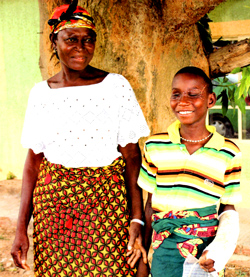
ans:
(83, 125)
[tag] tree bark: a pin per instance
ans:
(225, 59)
(147, 41)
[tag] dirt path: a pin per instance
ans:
(9, 206)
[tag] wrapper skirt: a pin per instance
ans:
(81, 221)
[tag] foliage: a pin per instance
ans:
(239, 273)
(228, 93)
(233, 94)
(11, 176)
(205, 33)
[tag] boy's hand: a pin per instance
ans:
(206, 264)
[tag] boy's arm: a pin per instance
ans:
(218, 252)
(148, 222)
(222, 247)
(144, 269)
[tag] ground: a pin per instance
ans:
(10, 191)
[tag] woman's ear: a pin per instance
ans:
(211, 100)
(53, 38)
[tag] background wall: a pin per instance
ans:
(231, 20)
(231, 10)
(19, 71)
(149, 63)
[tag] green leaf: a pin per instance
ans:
(224, 102)
(247, 82)
(242, 88)
(219, 97)
(241, 104)
(244, 72)
(225, 79)
(236, 70)
(237, 93)
(224, 110)
(233, 94)
(217, 90)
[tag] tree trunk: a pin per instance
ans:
(225, 59)
(147, 41)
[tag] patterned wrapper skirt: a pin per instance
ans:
(178, 234)
(81, 221)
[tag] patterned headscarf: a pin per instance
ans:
(70, 16)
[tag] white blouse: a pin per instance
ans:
(83, 125)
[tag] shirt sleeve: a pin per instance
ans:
(147, 176)
(132, 124)
(32, 134)
(232, 193)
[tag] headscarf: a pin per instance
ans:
(70, 16)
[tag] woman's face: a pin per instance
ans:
(75, 47)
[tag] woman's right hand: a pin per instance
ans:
(21, 243)
(20, 249)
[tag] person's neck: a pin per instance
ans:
(69, 78)
(193, 133)
(194, 137)
(73, 76)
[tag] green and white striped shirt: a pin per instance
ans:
(178, 180)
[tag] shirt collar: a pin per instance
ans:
(216, 141)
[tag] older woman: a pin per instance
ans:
(82, 128)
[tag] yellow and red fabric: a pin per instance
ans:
(81, 221)
(79, 18)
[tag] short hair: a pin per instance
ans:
(199, 72)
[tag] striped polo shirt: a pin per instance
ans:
(178, 180)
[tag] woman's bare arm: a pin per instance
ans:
(21, 243)
(132, 156)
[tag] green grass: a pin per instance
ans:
(3, 238)
(239, 273)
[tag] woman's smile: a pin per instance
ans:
(79, 58)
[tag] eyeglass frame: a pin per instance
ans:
(190, 97)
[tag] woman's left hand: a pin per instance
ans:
(132, 156)
(135, 246)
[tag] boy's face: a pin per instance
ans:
(190, 98)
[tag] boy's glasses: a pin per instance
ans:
(191, 95)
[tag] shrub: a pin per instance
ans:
(11, 176)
